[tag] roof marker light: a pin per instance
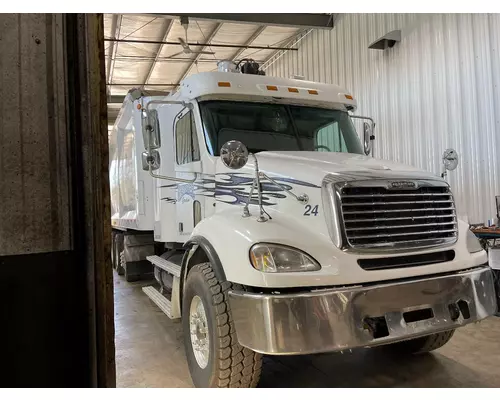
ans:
(271, 87)
(293, 90)
(312, 91)
(348, 97)
(224, 84)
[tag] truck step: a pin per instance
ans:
(163, 303)
(165, 265)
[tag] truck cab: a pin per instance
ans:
(270, 228)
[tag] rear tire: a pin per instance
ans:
(224, 362)
(118, 250)
(423, 344)
(123, 270)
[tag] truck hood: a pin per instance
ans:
(312, 166)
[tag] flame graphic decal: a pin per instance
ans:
(234, 188)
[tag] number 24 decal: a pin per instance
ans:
(310, 210)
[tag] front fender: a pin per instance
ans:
(232, 236)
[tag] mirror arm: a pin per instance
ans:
(188, 105)
(261, 218)
(170, 178)
(368, 118)
(150, 162)
(302, 198)
(246, 211)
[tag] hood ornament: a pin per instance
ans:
(234, 155)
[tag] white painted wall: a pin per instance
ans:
(438, 88)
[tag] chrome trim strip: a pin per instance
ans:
(399, 210)
(333, 319)
(401, 218)
(359, 196)
(381, 235)
(400, 226)
(419, 245)
(386, 203)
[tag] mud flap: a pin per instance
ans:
(494, 262)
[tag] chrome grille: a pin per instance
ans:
(381, 217)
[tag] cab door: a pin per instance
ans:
(190, 202)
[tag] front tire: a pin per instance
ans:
(215, 358)
(423, 344)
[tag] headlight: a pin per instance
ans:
(473, 244)
(277, 258)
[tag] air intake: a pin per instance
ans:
(397, 214)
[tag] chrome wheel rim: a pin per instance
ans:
(198, 327)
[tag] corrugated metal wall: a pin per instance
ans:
(33, 147)
(436, 89)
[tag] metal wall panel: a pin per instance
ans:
(35, 205)
(438, 88)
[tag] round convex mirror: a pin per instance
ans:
(450, 159)
(234, 154)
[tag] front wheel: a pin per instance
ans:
(423, 344)
(215, 358)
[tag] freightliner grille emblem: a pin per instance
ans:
(403, 185)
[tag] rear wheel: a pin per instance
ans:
(123, 270)
(118, 246)
(423, 344)
(215, 358)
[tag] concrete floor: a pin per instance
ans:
(150, 353)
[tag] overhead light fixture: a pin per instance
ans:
(387, 41)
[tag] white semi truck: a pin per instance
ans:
(270, 229)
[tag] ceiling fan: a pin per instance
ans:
(185, 47)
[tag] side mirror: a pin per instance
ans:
(368, 137)
(450, 159)
(151, 129)
(154, 158)
(368, 128)
(234, 154)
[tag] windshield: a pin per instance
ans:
(278, 127)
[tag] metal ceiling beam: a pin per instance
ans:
(299, 20)
(168, 59)
(116, 24)
(204, 48)
(158, 51)
(231, 46)
(250, 40)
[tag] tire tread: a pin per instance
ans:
(238, 366)
(423, 344)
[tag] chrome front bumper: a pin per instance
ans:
(362, 316)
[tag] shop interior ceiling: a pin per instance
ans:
(137, 55)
